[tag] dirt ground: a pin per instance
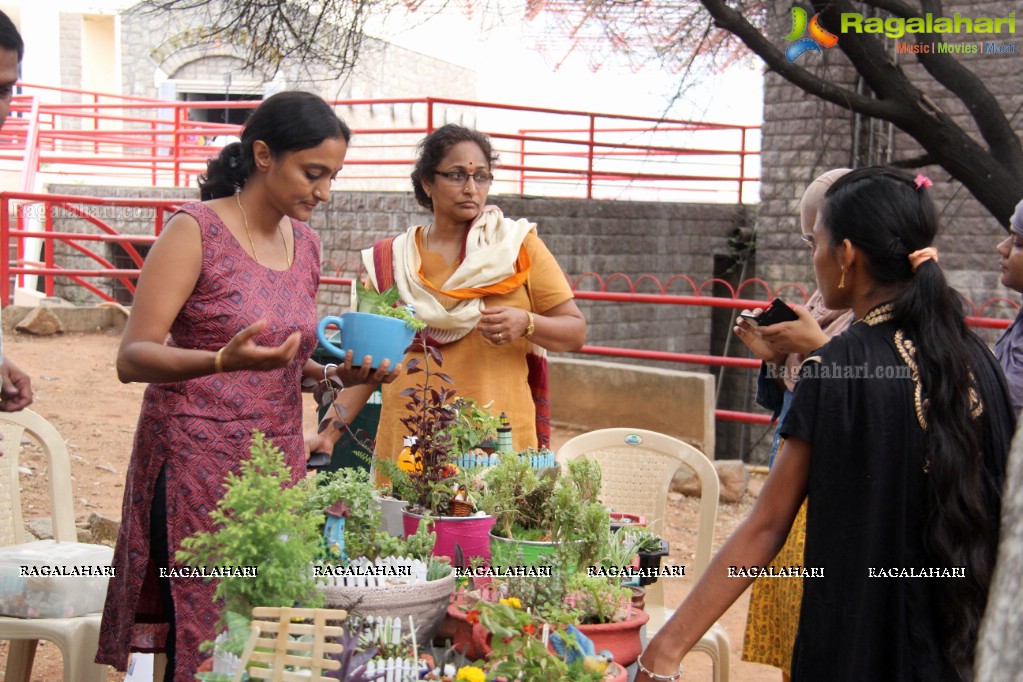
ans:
(76, 388)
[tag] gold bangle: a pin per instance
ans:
(218, 361)
(531, 327)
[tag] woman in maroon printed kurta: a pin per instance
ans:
(222, 327)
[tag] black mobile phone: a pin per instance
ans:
(317, 460)
(777, 312)
(751, 317)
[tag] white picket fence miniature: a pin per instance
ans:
(384, 631)
(470, 460)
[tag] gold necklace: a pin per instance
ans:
(426, 237)
(245, 221)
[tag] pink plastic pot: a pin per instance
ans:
(469, 534)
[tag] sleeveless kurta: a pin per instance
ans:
(199, 430)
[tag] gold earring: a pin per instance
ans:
(841, 281)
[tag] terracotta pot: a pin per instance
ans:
(459, 632)
(425, 602)
(621, 639)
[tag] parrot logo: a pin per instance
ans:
(819, 37)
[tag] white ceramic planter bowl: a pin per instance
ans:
(425, 602)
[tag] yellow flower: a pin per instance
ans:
(512, 602)
(471, 673)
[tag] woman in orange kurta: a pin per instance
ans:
(492, 295)
(480, 368)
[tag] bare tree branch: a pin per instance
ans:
(328, 33)
(734, 22)
(915, 161)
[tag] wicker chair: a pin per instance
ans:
(637, 467)
(77, 637)
(270, 644)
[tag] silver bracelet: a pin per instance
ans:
(654, 676)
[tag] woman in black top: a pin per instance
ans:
(898, 436)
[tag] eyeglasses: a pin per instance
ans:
(459, 178)
(808, 238)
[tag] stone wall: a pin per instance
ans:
(586, 236)
(70, 27)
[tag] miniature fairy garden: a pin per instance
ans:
(509, 612)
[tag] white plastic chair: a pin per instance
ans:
(636, 471)
(77, 637)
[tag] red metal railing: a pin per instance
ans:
(40, 210)
(591, 155)
(17, 208)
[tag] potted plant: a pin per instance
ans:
(381, 328)
(378, 574)
(255, 525)
(353, 488)
(393, 496)
(429, 479)
(521, 650)
(594, 605)
(651, 549)
(620, 556)
(577, 526)
(472, 432)
(543, 514)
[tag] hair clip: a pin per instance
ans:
(922, 181)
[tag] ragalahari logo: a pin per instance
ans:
(819, 37)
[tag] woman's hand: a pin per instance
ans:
(750, 335)
(241, 352)
(322, 442)
(16, 393)
(350, 375)
(658, 659)
(503, 324)
(798, 336)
